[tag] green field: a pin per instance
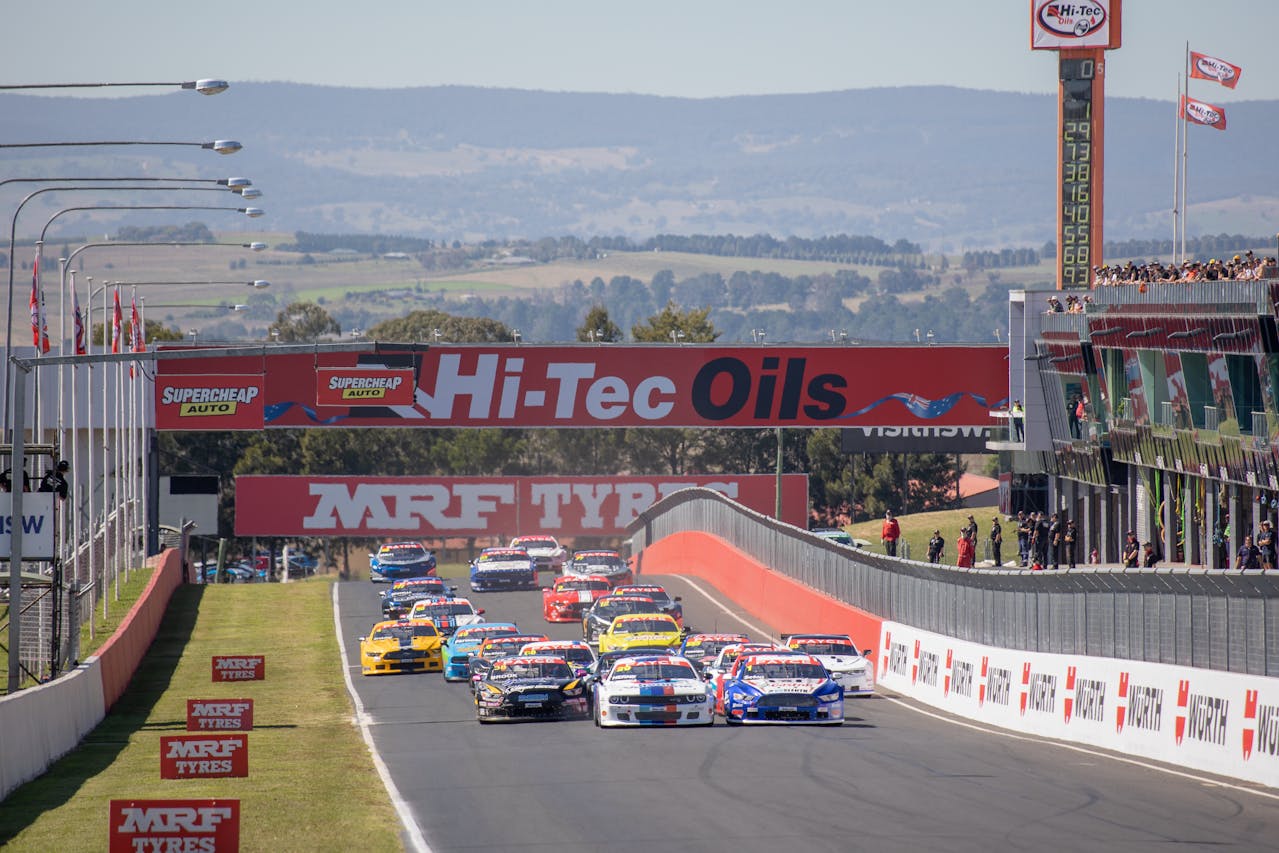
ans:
(311, 783)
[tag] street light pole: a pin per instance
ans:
(205, 86)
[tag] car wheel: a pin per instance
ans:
(596, 716)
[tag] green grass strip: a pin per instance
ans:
(311, 783)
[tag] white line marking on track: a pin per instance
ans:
(416, 840)
(1002, 733)
(1073, 748)
(713, 600)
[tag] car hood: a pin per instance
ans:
(531, 685)
(400, 559)
(785, 685)
(843, 663)
(500, 564)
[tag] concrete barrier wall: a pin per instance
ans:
(119, 656)
(41, 724)
(764, 593)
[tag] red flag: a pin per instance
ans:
(44, 327)
(35, 302)
(117, 321)
(80, 348)
(1201, 112)
(1204, 67)
(135, 330)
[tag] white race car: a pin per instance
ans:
(850, 668)
(652, 690)
(545, 551)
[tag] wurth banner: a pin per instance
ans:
(143, 825)
(482, 506)
(1204, 67)
(654, 385)
(1202, 112)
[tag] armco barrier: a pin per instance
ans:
(119, 656)
(764, 593)
(41, 724)
(1219, 722)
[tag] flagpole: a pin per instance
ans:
(1176, 169)
(1185, 157)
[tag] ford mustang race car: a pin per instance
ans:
(715, 670)
(703, 648)
(493, 647)
(569, 596)
(600, 616)
(457, 648)
(398, 560)
(670, 606)
(851, 669)
(529, 687)
(503, 568)
(545, 551)
(400, 598)
(405, 645)
(579, 655)
(640, 629)
(608, 564)
(448, 614)
(652, 690)
(781, 687)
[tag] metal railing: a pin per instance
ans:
(1223, 620)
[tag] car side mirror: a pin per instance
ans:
(480, 612)
(678, 598)
(867, 652)
(362, 639)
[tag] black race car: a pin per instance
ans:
(398, 600)
(530, 687)
(600, 616)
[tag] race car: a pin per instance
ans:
(704, 648)
(607, 564)
(851, 669)
(503, 568)
(398, 560)
(448, 614)
(491, 648)
(715, 670)
(400, 598)
(781, 687)
(652, 690)
(640, 629)
(529, 687)
(596, 620)
(401, 645)
(545, 551)
(604, 662)
(670, 606)
(579, 655)
(457, 648)
(569, 596)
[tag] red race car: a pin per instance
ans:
(570, 596)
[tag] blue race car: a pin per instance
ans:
(457, 648)
(779, 687)
(400, 560)
(503, 568)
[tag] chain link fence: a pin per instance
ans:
(1224, 620)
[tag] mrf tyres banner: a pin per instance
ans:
(588, 386)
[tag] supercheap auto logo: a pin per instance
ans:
(205, 401)
(364, 387)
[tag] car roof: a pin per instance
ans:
(636, 617)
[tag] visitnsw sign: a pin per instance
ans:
(482, 506)
(37, 525)
(581, 386)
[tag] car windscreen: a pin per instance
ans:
(783, 669)
(609, 609)
(577, 584)
(642, 626)
(651, 671)
(826, 647)
(537, 543)
(504, 669)
(405, 633)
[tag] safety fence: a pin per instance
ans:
(1220, 620)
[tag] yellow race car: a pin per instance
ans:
(632, 630)
(403, 645)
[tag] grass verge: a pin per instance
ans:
(918, 528)
(311, 783)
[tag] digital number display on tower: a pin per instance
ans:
(1078, 173)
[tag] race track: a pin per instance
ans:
(889, 779)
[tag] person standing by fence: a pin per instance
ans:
(889, 534)
(996, 541)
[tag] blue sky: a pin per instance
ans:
(692, 48)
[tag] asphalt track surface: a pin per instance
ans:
(891, 778)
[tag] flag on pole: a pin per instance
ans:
(135, 329)
(44, 327)
(1204, 67)
(80, 348)
(117, 321)
(35, 302)
(1201, 112)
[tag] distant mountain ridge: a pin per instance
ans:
(947, 168)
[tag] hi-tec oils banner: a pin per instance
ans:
(584, 386)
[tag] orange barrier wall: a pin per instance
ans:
(121, 654)
(766, 594)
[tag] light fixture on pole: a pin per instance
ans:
(221, 146)
(207, 86)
